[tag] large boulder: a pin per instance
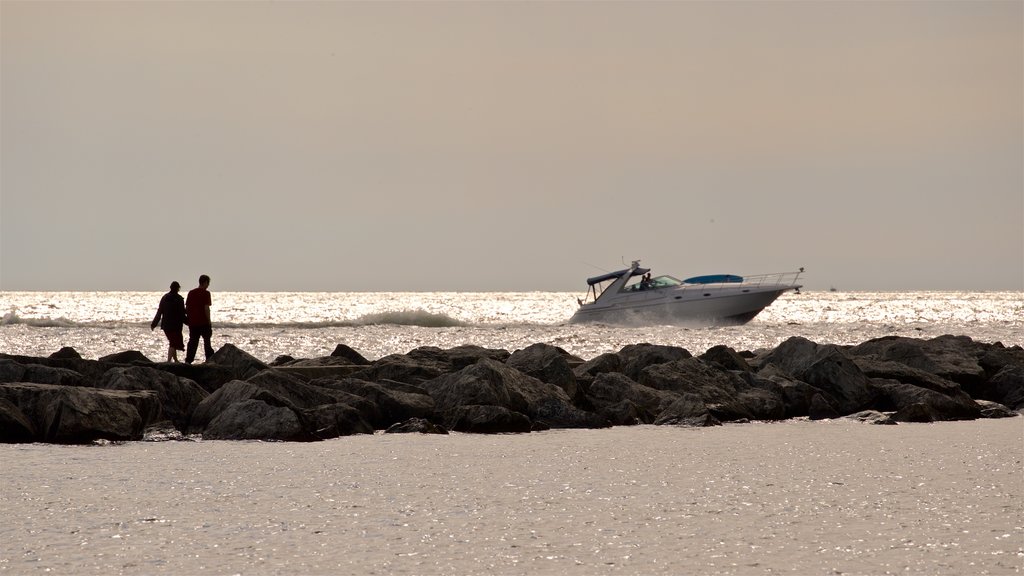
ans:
(1006, 387)
(347, 353)
(954, 358)
(77, 415)
(392, 402)
(210, 377)
(179, 397)
(15, 371)
(899, 396)
(485, 419)
(241, 363)
(546, 363)
(14, 426)
(333, 420)
(687, 410)
(727, 395)
(727, 358)
(622, 401)
(126, 357)
(256, 420)
(492, 383)
(827, 368)
(636, 357)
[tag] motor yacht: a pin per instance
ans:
(715, 299)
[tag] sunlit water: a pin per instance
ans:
(794, 497)
(376, 324)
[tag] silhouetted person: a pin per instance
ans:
(197, 308)
(170, 315)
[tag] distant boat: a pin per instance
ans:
(714, 299)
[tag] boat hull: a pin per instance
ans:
(695, 306)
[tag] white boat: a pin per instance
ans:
(715, 299)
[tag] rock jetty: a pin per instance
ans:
(67, 399)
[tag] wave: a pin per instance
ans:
(11, 318)
(420, 318)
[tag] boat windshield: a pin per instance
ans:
(653, 284)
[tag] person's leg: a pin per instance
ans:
(193, 344)
(207, 347)
(170, 353)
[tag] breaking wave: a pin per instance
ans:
(11, 318)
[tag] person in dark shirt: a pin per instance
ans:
(170, 316)
(197, 308)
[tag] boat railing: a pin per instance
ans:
(785, 279)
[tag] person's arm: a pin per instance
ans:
(156, 319)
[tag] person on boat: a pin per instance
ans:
(170, 316)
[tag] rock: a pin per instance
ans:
(899, 396)
(587, 371)
(353, 357)
(67, 352)
(392, 402)
(917, 412)
(821, 409)
(403, 368)
(688, 410)
(255, 420)
(179, 397)
(209, 377)
(995, 410)
(333, 420)
(126, 357)
(78, 415)
(827, 368)
(415, 425)
(13, 371)
(14, 426)
(872, 417)
(241, 363)
(485, 420)
(951, 357)
(623, 401)
(492, 383)
(727, 358)
(636, 357)
(1006, 387)
(546, 363)
(726, 394)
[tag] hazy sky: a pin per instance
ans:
(348, 146)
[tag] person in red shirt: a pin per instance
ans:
(197, 310)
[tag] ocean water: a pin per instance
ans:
(305, 324)
(793, 497)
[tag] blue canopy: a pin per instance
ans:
(614, 275)
(713, 279)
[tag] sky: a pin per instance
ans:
(509, 146)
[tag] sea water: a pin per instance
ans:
(311, 324)
(794, 497)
